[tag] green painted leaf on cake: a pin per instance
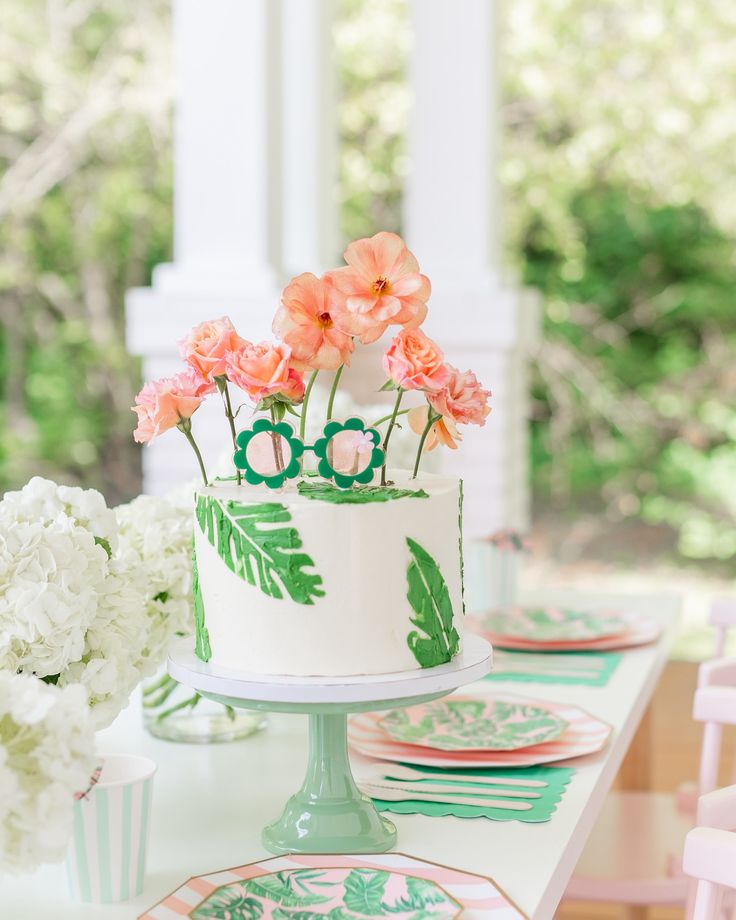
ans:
(202, 639)
(253, 543)
(437, 640)
(358, 495)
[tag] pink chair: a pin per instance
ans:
(710, 854)
(722, 618)
(633, 856)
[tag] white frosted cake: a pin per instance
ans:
(314, 580)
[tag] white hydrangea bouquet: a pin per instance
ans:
(71, 601)
(89, 600)
(46, 757)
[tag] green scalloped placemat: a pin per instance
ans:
(556, 778)
(589, 669)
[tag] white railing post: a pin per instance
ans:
(452, 222)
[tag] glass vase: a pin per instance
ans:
(175, 712)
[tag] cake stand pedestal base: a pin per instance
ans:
(329, 814)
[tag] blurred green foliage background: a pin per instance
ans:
(620, 206)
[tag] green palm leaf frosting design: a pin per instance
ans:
(435, 640)
(255, 544)
(360, 495)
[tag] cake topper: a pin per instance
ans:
(270, 453)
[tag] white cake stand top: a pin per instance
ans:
(471, 663)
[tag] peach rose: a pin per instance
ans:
(462, 398)
(261, 370)
(414, 362)
(444, 431)
(380, 286)
(305, 322)
(162, 404)
(207, 346)
(294, 389)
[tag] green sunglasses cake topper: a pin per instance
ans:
(269, 453)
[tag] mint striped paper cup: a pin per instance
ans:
(106, 861)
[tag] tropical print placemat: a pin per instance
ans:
(589, 669)
(540, 806)
(338, 887)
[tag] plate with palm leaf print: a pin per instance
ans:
(553, 624)
(473, 724)
(307, 887)
(337, 893)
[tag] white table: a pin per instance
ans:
(210, 802)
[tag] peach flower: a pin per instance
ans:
(380, 286)
(444, 431)
(207, 346)
(162, 404)
(261, 370)
(305, 322)
(294, 388)
(462, 398)
(414, 362)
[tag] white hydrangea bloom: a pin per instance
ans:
(73, 604)
(158, 532)
(114, 657)
(51, 575)
(43, 500)
(46, 755)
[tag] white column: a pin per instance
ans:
(251, 174)
(452, 221)
(308, 138)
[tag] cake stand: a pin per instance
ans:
(329, 814)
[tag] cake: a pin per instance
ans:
(315, 558)
(314, 580)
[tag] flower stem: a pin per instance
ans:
(185, 426)
(331, 400)
(305, 403)
(390, 428)
(163, 681)
(190, 703)
(385, 418)
(432, 417)
(278, 454)
(225, 392)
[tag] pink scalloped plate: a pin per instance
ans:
(584, 735)
(638, 631)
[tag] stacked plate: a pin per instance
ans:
(460, 731)
(556, 629)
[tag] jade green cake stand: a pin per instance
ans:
(329, 814)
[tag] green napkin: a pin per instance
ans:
(590, 669)
(556, 779)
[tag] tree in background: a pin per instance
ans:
(621, 209)
(85, 195)
(620, 206)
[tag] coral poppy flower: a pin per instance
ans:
(304, 321)
(380, 286)
(444, 431)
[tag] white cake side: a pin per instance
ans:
(370, 569)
